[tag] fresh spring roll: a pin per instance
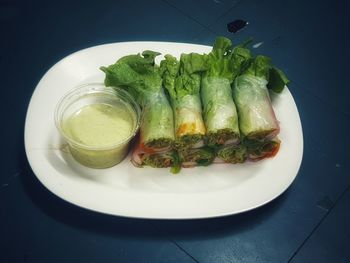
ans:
(191, 157)
(155, 157)
(257, 120)
(157, 127)
(182, 81)
(141, 77)
(253, 150)
(233, 153)
(152, 147)
(258, 150)
(220, 114)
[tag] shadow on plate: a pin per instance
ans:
(97, 223)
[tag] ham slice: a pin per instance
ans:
(141, 152)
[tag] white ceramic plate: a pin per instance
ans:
(124, 190)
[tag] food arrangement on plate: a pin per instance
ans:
(103, 124)
(192, 111)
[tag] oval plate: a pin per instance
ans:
(124, 190)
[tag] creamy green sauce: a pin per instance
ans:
(100, 125)
(100, 133)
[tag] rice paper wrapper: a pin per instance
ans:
(257, 119)
(219, 108)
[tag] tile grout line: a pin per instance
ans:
(347, 189)
(188, 16)
(183, 250)
(174, 242)
(226, 12)
(216, 20)
(198, 22)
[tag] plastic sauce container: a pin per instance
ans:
(98, 123)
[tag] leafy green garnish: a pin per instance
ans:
(182, 81)
(169, 68)
(182, 78)
(224, 60)
(261, 66)
(176, 165)
(138, 74)
(277, 80)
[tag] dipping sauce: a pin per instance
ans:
(98, 124)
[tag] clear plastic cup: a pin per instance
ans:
(96, 156)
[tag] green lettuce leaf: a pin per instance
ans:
(169, 68)
(224, 60)
(261, 66)
(142, 78)
(224, 63)
(138, 74)
(277, 80)
(182, 80)
(256, 116)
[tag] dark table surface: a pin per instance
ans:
(310, 222)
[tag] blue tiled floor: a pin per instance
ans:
(309, 223)
(330, 241)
